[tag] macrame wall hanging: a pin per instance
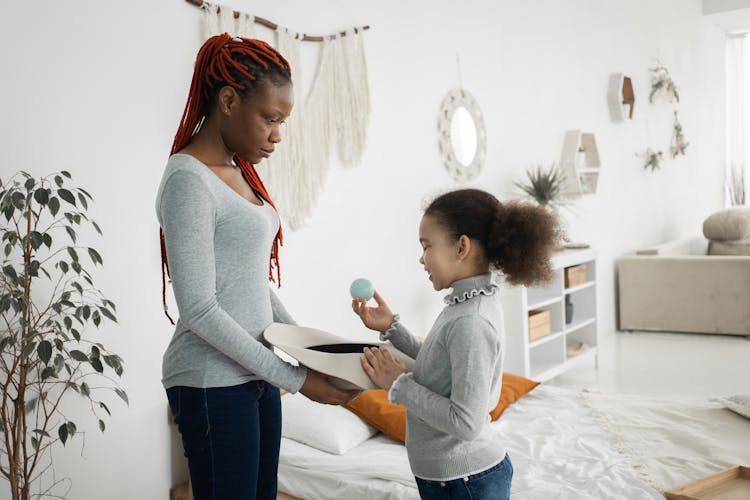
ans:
(332, 117)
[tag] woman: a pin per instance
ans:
(220, 239)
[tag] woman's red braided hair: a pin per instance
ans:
(217, 65)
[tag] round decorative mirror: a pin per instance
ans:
(462, 139)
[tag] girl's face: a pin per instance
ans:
(439, 253)
(252, 127)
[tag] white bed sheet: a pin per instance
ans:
(564, 444)
(377, 469)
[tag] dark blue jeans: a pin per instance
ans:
(231, 437)
(491, 484)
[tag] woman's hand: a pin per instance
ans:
(382, 368)
(319, 388)
(375, 318)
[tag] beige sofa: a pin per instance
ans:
(679, 287)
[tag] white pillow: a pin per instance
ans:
(329, 428)
(739, 404)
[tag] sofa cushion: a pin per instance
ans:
(731, 224)
(729, 247)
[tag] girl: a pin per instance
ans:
(220, 235)
(457, 376)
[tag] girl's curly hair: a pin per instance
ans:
(518, 237)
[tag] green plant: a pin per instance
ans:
(546, 187)
(48, 299)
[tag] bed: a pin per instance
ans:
(564, 443)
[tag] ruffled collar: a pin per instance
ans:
(464, 289)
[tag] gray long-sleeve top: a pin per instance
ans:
(218, 249)
(455, 382)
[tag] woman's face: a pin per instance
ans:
(439, 253)
(253, 124)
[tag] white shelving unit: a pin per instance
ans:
(580, 163)
(547, 357)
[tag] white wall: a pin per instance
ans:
(715, 6)
(98, 88)
(733, 16)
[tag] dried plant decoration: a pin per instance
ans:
(662, 83)
(652, 159)
(736, 185)
(679, 144)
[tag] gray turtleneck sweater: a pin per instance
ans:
(218, 249)
(455, 382)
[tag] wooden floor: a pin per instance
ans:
(284, 496)
(183, 492)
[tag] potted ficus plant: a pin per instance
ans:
(48, 304)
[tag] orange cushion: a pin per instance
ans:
(514, 388)
(374, 408)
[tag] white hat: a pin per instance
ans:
(329, 354)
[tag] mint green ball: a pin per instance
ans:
(362, 288)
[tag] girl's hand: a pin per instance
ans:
(382, 368)
(375, 318)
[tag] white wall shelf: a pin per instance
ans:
(578, 288)
(578, 324)
(544, 303)
(580, 163)
(547, 357)
(620, 97)
(552, 336)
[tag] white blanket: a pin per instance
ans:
(560, 451)
(564, 444)
(673, 442)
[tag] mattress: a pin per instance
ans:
(564, 444)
